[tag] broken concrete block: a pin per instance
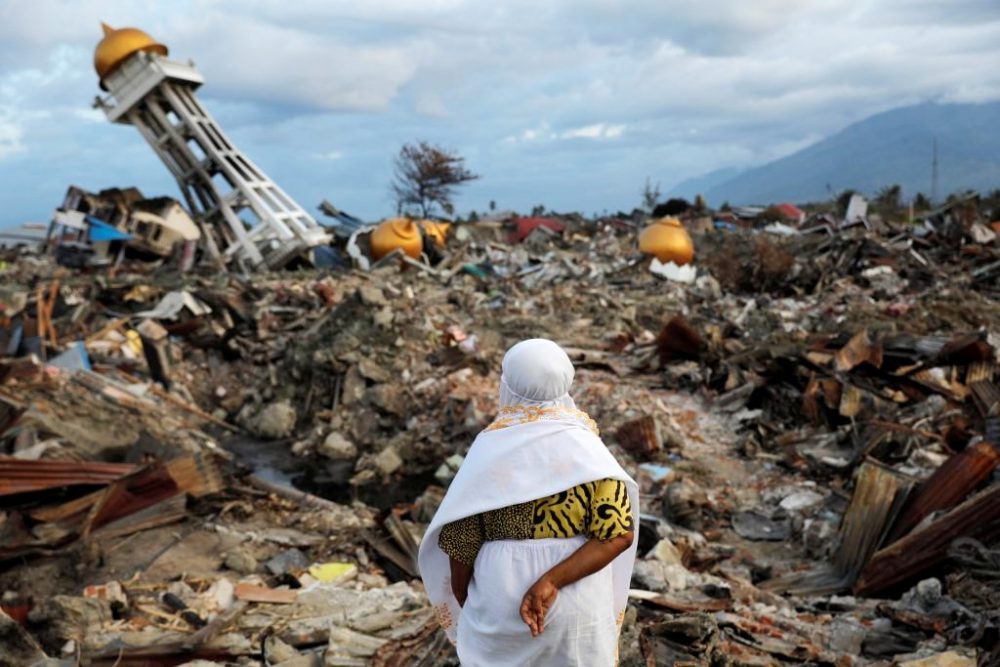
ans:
(221, 594)
(388, 398)
(372, 296)
(338, 448)
(277, 651)
(383, 317)
(658, 576)
(388, 461)
(847, 635)
(275, 421)
(755, 526)
(286, 561)
(947, 659)
(241, 560)
(447, 470)
(354, 386)
(801, 500)
(666, 552)
(350, 643)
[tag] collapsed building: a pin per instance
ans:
(90, 229)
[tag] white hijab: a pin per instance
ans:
(539, 445)
(536, 373)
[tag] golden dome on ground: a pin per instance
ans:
(668, 241)
(118, 45)
(401, 233)
(437, 231)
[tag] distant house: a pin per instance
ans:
(79, 240)
(146, 227)
(158, 225)
(790, 212)
(523, 227)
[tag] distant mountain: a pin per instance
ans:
(885, 149)
(690, 188)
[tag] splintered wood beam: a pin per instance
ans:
(919, 552)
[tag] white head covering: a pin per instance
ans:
(536, 373)
(539, 445)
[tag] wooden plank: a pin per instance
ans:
(49, 307)
(40, 310)
(253, 593)
(680, 604)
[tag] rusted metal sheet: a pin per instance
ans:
(859, 349)
(17, 476)
(679, 340)
(949, 484)
(641, 437)
(913, 556)
(878, 495)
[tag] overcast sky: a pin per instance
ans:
(569, 103)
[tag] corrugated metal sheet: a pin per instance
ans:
(17, 476)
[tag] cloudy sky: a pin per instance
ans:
(567, 103)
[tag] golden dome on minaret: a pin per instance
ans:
(668, 240)
(118, 45)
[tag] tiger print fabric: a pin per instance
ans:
(598, 509)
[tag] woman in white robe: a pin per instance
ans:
(540, 472)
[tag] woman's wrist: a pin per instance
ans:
(553, 578)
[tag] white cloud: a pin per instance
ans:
(543, 132)
(665, 88)
(594, 131)
(11, 135)
(245, 58)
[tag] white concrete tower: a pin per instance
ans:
(244, 215)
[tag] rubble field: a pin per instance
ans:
(215, 469)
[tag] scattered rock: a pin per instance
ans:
(278, 652)
(666, 553)
(338, 448)
(447, 470)
(287, 561)
(275, 421)
(756, 526)
(388, 461)
(947, 659)
(684, 504)
(801, 500)
(372, 296)
(241, 560)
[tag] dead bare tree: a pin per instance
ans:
(425, 176)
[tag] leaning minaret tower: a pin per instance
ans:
(244, 215)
